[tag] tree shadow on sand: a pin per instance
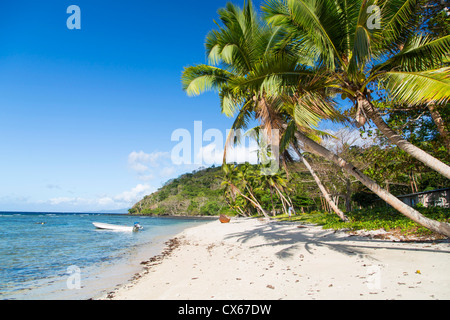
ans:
(290, 238)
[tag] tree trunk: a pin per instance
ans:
(348, 195)
(324, 191)
(440, 125)
(403, 144)
(242, 211)
(271, 200)
(283, 199)
(255, 201)
(436, 226)
(256, 204)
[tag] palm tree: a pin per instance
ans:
(322, 188)
(362, 45)
(436, 226)
(268, 182)
(277, 89)
(238, 180)
(277, 184)
(245, 48)
(289, 138)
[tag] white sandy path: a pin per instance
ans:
(256, 260)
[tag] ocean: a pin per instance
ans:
(53, 256)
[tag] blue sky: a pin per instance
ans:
(86, 116)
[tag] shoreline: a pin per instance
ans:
(266, 260)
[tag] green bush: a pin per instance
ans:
(385, 218)
(210, 208)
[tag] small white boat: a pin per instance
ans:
(115, 227)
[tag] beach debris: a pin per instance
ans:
(171, 245)
(418, 272)
(270, 286)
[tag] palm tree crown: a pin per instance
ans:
(364, 49)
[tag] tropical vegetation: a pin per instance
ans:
(191, 194)
(291, 68)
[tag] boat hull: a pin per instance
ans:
(107, 226)
(224, 219)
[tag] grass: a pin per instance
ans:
(373, 219)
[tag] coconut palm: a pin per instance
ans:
(246, 50)
(277, 185)
(319, 183)
(436, 226)
(238, 180)
(259, 78)
(363, 45)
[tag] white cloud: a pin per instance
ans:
(144, 163)
(59, 200)
(346, 136)
(242, 154)
(147, 177)
(167, 171)
(134, 194)
(119, 201)
(211, 154)
(105, 201)
(141, 161)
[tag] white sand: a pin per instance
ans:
(254, 259)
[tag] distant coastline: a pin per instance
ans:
(66, 212)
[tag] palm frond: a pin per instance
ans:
(361, 51)
(306, 19)
(288, 136)
(420, 87)
(395, 17)
(200, 78)
(230, 101)
(419, 53)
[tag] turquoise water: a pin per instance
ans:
(40, 252)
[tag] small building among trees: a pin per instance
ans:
(433, 198)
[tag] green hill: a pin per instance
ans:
(196, 193)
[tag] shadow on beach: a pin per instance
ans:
(290, 238)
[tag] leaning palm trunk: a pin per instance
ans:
(254, 201)
(324, 191)
(403, 144)
(445, 135)
(436, 226)
(282, 199)
(287, 200)
(242, 211)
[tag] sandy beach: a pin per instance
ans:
(256, 259)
